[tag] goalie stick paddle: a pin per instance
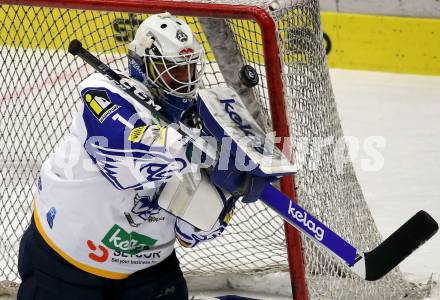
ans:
(371, 265)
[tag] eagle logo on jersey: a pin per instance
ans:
(136, 168)
(145, 208)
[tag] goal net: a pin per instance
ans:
(282, 40)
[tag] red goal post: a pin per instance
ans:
(273, 72)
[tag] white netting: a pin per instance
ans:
(38, 95)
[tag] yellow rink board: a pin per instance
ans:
(32, 27)
(393, 44)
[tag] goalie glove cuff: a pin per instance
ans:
(238, 183)
(255, 188)
(229, 179)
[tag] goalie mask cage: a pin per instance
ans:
(282, 40)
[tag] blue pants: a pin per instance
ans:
(46, 275)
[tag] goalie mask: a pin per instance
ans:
(166, 56)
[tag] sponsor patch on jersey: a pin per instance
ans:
(99, 104)
(137, 133)
(50, 216)
(99, 254)
(161, 139)
(131, 243)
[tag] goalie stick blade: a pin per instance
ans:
(411, 235)
(370, 265)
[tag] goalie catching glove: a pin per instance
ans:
(248, 158)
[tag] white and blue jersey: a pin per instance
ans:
(96, 203)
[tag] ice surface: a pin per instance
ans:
(405, 111)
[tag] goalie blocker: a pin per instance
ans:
(247, 160)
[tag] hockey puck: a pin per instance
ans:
(248, 76)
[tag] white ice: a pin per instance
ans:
(405, 111)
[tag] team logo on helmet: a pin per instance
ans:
(181, 36)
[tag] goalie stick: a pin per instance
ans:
(370, 265)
